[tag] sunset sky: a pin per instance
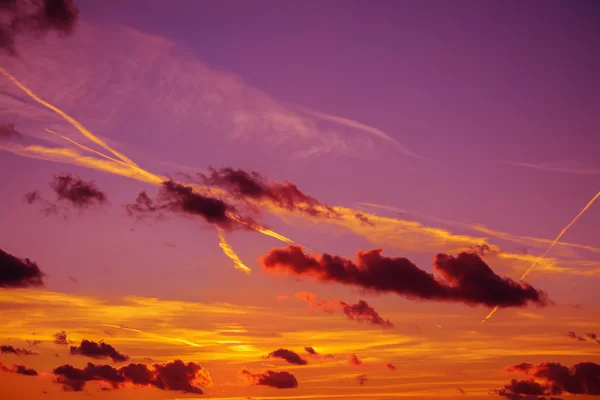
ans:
(300, 199)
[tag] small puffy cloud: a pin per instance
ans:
(91, 349)
(288, 355)
(18, 273)
(275, 379)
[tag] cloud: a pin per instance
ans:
(525, 390)
(60, 339)
(79, 193)
(362, 378)
(354, 360)
(465, 278)
(98, 350)
(360, 312)
(18, 273)
(8, 131)
(582, 378)
(178, 198)
(391, 367)
(276, 379)
(573, 335)
(288, 355)
(48, 208)
(593, 336)
(34, 343)
(253, 186)
(6, 349)
(569, 167)
(20, 17)
(314, 353)
(175, 376)
(18, 369)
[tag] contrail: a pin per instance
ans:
(564, 230)
(229, 252)
(169, 339)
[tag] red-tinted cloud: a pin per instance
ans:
(289, 356)
(18, 273)
(582, 378)
(19, 369)
(98, 350)
(79, 193)
(465, 278)
(573, 335)
(525, 390)
(39, 17)
(362, 378)
(176, 376)
(391, 367)
(16, 351)
(252, 185)
(313, 353)
(354, 360)
(276, 379)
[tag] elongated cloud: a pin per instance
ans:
(581, 378)
(20, 17)
(315, 354)
(79, 193)
(7, 349)
(16, 272)
(91, 349)
(290, 356)
(253, 186)
(175, 376)
(574, 336)
(593, 336)
(360, 312)
(229, 252)
(525, 390)
(276, 379)
(18, 369)
(465, 278)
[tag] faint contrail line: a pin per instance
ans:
(564, 230)
(229, 252)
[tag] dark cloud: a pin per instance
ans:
(16, 351)
(8, 131)
(363, 312)
(174, 376)
(593, 336)
(582, 378)
(98, 350)
(18, 369)
(18, 273)
(362, 378)
(354, 360)
(79, 193)
(276, 379)
(524, 390)
(313, 353)
(60, 339)
(48, 208)
(21, 17)
(289, 356)
(178, 198)
(573, 335)
(391, 367)
(465, 278)
(461, 391)
(253, 186)
(34, 343)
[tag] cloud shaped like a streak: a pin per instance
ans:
(464, 279)
(275, 379)
(16, 272)
(174, 376)
(288, 355)
(20, 17)
(91, 349)
(7, 349)
(18, 369)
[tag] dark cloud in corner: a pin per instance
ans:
(18, 369)
(21, 17)
(289, 356)
(91, 349)
(276, 379)
(463, 279)
(19, 273)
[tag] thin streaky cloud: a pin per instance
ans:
(566, 167)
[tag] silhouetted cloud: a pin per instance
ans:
(524, 390)
(276, 379)
(34, 343)
(7, 131)
(6, 349)
(573, 335)
(60, 338)
(91, 349)
(313, 353)
(391, 367)
(581, 378)
(465, 278)
(48, 208)
(18, 273)
(175, 376)
(18, 369)
(362, 378)
(289, 356)
(593, 336)
(178, 198)
(354, 360)
(21, 17)
(252, 185)
(79, 193)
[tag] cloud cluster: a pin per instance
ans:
(464, 279)
(18, 273)
(590, 335)
(60, 339)
(289, 356)
(7, 349)
(175, 376)
(253, 186)
(98, 350)
(18, 369)
(19, 17)
(275, 379)
(79, 193)
(582, 378)
(360, 312)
